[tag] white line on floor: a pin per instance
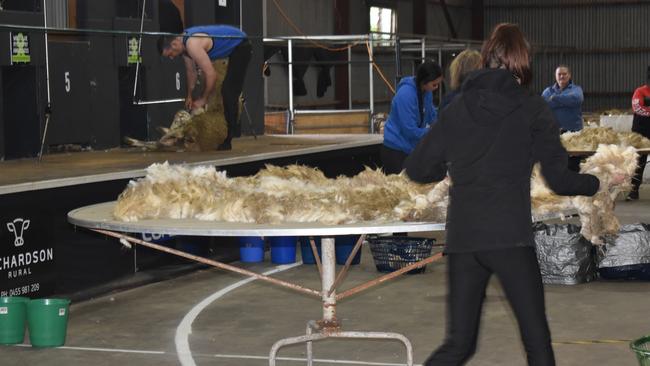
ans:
(316, 360)
(184, 329)
(112, 350)
(226, 356)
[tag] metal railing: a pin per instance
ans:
(397, 43)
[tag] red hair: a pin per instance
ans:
(507, 48)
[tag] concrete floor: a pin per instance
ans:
(237, 326)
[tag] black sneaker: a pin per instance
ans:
(632, 196)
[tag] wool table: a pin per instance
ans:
(585, 153)
(99, 218)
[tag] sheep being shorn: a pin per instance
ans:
(203, 130)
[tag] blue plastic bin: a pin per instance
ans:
(344, 245)
(283, 249)
(306, 252)
(251, 249)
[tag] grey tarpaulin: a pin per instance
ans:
(631, 246)
(564, 256)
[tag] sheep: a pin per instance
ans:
(202, 130)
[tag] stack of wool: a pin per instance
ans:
(588, 139)
(303, 194)
(275, 195)
(597, 212)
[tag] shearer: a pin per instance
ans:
(201, 45)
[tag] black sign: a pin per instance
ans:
(26, 259)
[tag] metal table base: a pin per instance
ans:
(99, 218)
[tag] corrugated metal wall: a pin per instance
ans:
(607, 46)
(460, 15)
(57, 13)
(313, 17)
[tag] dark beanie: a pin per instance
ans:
(427, 71)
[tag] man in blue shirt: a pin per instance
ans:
(565, 99)
(213, 42)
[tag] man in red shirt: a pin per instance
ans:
(641, 125)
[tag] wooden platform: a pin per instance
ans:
(350, 122)
(65, 169)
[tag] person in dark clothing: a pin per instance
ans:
(466, 62)
(487, 141)
(212, 42)
(411, 113)
(640, 125)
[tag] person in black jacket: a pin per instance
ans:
(487, 141)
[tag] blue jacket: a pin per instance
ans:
(404, 129)
(221, 47)
(566, 105)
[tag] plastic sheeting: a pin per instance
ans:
(630, 247)
(564, 256)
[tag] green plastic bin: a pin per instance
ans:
(47, 322)
(13, 313)
(641, 348)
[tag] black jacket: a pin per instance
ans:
(488, 139)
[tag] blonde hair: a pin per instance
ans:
(466, 62)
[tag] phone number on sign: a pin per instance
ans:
(23, 290)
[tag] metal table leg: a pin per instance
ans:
(329, 327)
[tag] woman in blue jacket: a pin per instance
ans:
(411, 113)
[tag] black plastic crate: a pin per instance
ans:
(392, 253)
(630, 272)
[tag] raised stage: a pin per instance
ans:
(41, 254)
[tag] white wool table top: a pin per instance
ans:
(100, 216)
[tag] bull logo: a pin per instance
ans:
(18, 227)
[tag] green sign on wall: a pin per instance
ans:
(132, 50)
(20, 48)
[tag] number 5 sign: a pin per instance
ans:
(67, 81)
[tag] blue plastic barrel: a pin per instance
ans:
(344, 245)
(305, 249)
(251, 249)
(283, 249)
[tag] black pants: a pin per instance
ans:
(640, 125)
(392, 160)
(468, 275)
(232, 86)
